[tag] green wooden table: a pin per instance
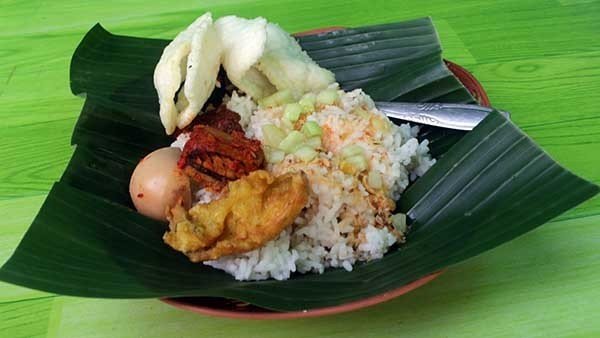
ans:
(538, 59)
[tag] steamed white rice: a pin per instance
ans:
(344, 221)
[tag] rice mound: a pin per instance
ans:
(344, 221)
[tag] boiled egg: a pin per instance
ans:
(157, 184)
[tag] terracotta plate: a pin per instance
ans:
(222, 307)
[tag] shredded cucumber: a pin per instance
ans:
(374, 180)
(312, 128)
(354, 164)
(305, 153)
(361, 112)
(352, 150)
(286, 125)
(399, 222)
(272, 135)
(292, 111)
(291, 142)
(328, 97)
(308, 102)
(314, 142)
(380, 124)
(275, 156)
(279, 98)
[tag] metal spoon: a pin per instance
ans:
(445, 115)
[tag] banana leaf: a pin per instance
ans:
(491, 184)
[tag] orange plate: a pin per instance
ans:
(222, 307)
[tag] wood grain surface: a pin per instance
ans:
(538, 59)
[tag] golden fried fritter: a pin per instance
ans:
(255, 210)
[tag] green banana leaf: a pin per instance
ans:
(492, 185)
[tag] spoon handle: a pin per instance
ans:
(445, 115)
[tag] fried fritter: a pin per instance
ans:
(255, 210)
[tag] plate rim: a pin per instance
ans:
(318, 312)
